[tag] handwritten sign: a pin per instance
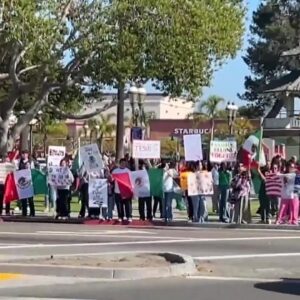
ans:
(98, 195)
(91, 158)
(145, 149)
(60, 176)
(223, 151)
(55, 155)
(200, 183)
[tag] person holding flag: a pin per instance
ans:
(123, 190)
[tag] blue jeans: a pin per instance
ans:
(110, 206)
(223, 206)
(167, 205)
(199, 208)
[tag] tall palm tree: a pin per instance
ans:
(210, 107)
(106, 127)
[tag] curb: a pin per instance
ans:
(156, 223)
(42, 219)
(185, 266)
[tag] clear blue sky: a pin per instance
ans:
(229, 80)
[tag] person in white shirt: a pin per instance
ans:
(168, 187)
(63, 192)
(123, 204)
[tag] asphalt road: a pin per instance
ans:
(233, 264)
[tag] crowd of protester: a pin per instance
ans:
(278, 191)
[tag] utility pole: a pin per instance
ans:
(120, 123)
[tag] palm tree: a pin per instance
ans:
(106, 127)
(210, 108)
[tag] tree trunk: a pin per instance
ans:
(24, 139)
(120, 123)
(3, 138)
(101, 143)
(212, 129)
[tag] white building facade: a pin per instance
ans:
(155, 105)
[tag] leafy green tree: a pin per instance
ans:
(242, 129)
(249, 112)
(102, 127)
(210, 108)
(50, 49)
(274, 29)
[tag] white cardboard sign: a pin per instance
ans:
(145, 149)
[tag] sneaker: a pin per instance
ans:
(120, 220)
(129, 220)
(269, 222)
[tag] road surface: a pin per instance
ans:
(232, 263)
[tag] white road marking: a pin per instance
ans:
(52, 266)
(164, 240)
(108, 232)
(242, 256)
(90, 234)
(220, 278)
(32, 298)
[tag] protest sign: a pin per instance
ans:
(91, 158)
(141, 183)
(55, 155)
(145, 149)
(98, 195)
(200, 183)
(60, 176)
(223, 151)
(5, 169)
(192, 147)
(23, 183)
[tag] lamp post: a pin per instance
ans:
(232, 110)
(85, 128)
(32, 124)
(137, 96)
(177, 155)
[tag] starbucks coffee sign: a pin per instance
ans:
(185, 131)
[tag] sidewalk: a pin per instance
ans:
(178, 222)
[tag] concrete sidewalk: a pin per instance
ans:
(178, 222)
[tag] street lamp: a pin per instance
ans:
(177, 155)
(32, 123)
(85, 128)
(232, 111)
(137, 95)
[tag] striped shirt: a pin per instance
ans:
(273, 184)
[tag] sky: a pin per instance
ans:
(229, 80)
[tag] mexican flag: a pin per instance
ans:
(24, 184)
(253, 156)
(252, 151)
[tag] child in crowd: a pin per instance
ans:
(289, 206)
(240, 197)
